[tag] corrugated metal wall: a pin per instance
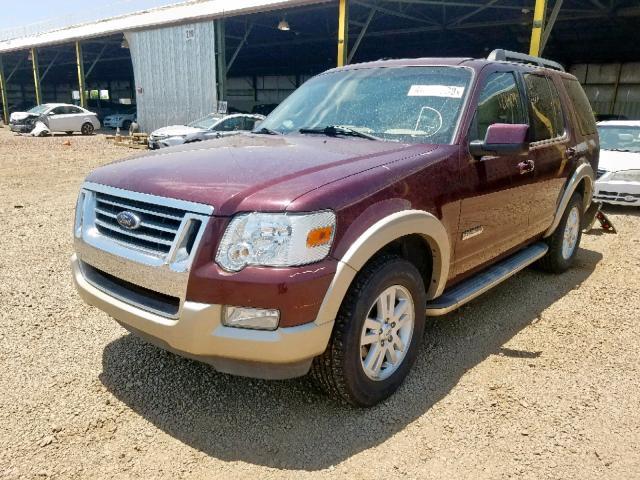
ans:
(175, 74)
(611, 87)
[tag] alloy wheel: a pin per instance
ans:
(387, 332)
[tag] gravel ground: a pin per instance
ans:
(536, 379)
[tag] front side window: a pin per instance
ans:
(406, 104)
(229, 125)
(546, 110)
(499, 102)
(59, 111)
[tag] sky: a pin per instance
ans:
(36, 15)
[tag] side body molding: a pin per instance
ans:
(584, 171)
(381, 233)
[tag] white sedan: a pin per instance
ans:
(57, 117)
(618, 177)
(214, 125)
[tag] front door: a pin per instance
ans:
(495, 210)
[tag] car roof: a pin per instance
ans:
(476, 64)
(620, 123)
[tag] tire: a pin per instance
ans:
(87, 129)
(340, 371)
(126, 124)
(565, 240)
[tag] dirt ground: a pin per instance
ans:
(536, 379)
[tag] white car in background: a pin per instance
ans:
(618, 176)
(214, 125)
(119, 120)
(57, 117)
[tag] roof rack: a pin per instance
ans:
(501, 55)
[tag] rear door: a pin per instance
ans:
(552, 147)
(494, 214)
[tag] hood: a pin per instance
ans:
(176, 130)
(613, 161)
(18, 116)
(251, 172)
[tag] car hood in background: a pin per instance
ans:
(251, 172)
(176, 130)
(613, 161)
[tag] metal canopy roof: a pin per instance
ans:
(179, 13)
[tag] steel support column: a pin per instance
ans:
(343, 32)
(538, 25)
(221, 61)
(36, 75)
(3, 95)
(81, 78)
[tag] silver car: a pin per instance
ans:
(214, 125)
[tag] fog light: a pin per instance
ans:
(255, 318)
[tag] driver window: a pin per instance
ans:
(499, 102)
(58, 111)
(230, 125)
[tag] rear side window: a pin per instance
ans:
(584, 112)
(499, 102)
(546, 110)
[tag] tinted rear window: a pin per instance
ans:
(584, 112)
(546, 111)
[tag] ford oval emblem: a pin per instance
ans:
(128, 220)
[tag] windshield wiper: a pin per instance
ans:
(334, 130)
(266, 131)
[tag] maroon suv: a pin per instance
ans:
(373, 194)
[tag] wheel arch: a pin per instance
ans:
(415, 224)
(582, 180)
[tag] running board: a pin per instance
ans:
(475, 286)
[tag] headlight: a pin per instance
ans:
(276, 240)
(626, 176)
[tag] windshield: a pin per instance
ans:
(207, 122)
(407, 104)
(626, 139)
(39, 109)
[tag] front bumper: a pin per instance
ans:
(198, 333)
(617, 193)
(20, 128)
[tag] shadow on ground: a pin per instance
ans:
(287, 424)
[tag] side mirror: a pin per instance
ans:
(51, 114)
(502, 139)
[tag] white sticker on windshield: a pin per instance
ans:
(435, 91)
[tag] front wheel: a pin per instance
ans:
(564, 242)
(377, 334)
(87, 129)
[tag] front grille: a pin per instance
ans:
(158, 228)
(617, 196)
(600, 173)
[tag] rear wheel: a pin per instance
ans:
(377, 334)
(87, 129)
(564, 242)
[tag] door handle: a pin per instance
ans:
(527, 166)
